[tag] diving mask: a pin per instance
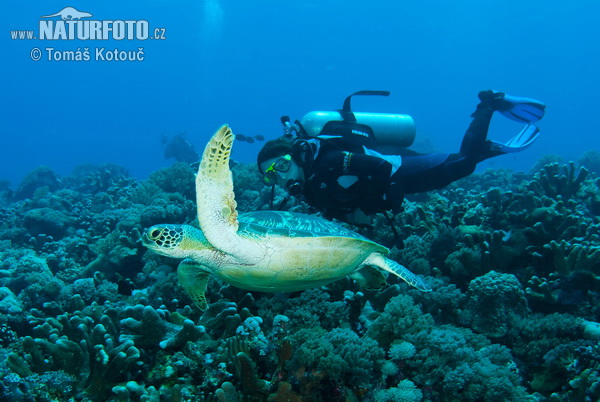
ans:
(281, 165)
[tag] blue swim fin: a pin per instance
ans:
(519, 142)
(523, 110)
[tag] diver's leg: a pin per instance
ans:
(477, 147)
(474, 142)
(420, 173)
(432, 171)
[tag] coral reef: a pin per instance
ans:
(513, 259)
(41, 178)
(494, 302)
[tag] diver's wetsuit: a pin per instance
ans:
(343, 173)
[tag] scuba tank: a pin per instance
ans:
(392, 132)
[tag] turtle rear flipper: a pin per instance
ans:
(391, 266)
(193, 279)
(369, 278)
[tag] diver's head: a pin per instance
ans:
(278, 165)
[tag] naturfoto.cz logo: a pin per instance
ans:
(70, 24)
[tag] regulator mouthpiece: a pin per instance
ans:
(294, 187)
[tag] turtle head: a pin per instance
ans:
(178, 241)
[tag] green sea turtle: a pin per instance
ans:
(267, 251)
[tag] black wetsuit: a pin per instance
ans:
(342, 173)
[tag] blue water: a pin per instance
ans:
(247, 63)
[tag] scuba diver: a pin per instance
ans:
(179, 148)
(351, 165)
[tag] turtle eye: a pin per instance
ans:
(154, 234)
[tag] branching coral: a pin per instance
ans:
(81, 346)
(98, 348)
(554, 180)
(148, 327)
(484, 251)
(570, 258)
(543, 289)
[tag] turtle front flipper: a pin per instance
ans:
(193, 278)
(217, 214)
(391, 266)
